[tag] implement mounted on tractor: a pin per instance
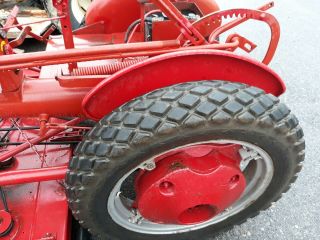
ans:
(142, 124)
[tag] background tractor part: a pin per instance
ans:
(78, 9)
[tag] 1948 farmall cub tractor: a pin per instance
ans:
(142, 125)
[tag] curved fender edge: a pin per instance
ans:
(174, 68)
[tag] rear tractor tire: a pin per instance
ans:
(137, 172)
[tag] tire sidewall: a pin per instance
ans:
(274, 146)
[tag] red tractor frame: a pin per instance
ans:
(178, 137)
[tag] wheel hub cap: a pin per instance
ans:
(190, 185)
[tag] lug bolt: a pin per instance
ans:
(149, 166)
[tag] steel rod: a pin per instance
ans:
(13, 177)
(28, 60)
(24, 146)
(74, 55)
(15, 129)
(41, 143)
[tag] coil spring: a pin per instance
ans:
(105, 69)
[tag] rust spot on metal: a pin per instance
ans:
(177, 165)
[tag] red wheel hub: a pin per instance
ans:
(190, 185)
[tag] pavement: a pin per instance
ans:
(296, 216)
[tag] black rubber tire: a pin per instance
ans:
(171, 117)
(52, 12)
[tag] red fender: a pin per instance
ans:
(174, 68)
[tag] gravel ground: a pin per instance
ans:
(296, 215)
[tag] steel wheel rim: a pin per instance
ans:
(257, 185)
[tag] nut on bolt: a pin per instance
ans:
(149, 165)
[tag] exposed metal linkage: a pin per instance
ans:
(42, 143)
(32, 146)
(7, 132)
(16, 129)
(36, 140)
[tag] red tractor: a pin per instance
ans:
(142, 124)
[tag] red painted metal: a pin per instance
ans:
(114, 23)
(20, 25)
(5, 221)
(5, 156)
(256, 15)
(49, 84)
(178, 67)
(103, 52)
(11, 19)
(62, 7)
(28, 60)
(32, 102)
(214, 18)
(87, 81)
(39, 209)
(32, 175)
(239, 21)
(167, 29)
(29, 101)
(184, 25)
(17, 104)
(11, 81)
(206, 6)
(43, 38)
(21, 37)
(94, 28)
(190, 185)
(116, 17)
(12, 22)
(105, 69)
